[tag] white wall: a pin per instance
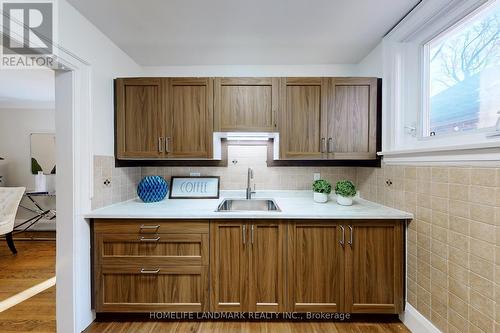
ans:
(16, 125)
(372, 64)
(107, 61)
(252, 71)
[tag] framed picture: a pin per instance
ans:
(194, 187)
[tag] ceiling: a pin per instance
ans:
(242, 32)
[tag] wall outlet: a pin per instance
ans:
(316, 176)
(194, 174)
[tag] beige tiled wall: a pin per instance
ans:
(122, 182)
(234, 177)
(453, 257)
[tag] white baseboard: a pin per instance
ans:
(416, 322)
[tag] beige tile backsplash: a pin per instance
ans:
(113, 185)
(453, 275)
(240, 158)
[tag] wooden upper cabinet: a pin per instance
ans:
(189, 117)
(303, 108)
(374, 267)
(139, 118)
(246, 104)
(352, 118)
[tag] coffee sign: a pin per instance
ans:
(194, 188)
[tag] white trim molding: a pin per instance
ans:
(403, 86)
(416, 322)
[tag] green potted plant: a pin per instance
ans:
(345, 191)
(322, 190)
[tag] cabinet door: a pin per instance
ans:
(189, 118)
(145, 288)
(315, 267)
(302, 127)
(267, 266)
(229, 246)
(374, 267)
(246, 104)
(139, 118)
(352, 118)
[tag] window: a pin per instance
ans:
(462, 76)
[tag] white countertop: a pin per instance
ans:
(293, 205)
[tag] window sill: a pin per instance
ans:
(479, 153)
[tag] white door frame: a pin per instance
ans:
(74, 189)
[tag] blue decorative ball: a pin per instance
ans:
(152, 189)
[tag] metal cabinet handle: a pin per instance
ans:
(251, 233)
(342, 240)
(150, 227)
(167, 144)
(150, 271)
(144, 239)
(351, 231)
(322, 148)
(160, 144)
(330, 146)
(244, 234)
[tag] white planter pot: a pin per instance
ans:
(320, 197)
(344, 201)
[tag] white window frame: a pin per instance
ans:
(404, 84)
(424, 119)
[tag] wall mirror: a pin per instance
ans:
(43, 153)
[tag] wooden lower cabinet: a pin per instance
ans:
(346, 266)
(350, 266)
(144, 288)
(150, 265)
(315, 267)
(374, 254)
(247, 266)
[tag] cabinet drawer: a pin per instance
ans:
(153, 249)
(144, 288)
(123, 226)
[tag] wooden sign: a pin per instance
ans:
(194, 187)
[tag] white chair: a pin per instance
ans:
(10, 197)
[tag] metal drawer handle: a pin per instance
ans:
(251, 234)
(160, 144)
(167, 144)
(351, 231)
(143, 239)
(150, 227)
(244, 234)
(150, 271)
(330, 149)
(342, 240)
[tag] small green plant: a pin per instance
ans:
(35, 167)
(345, 188)
(322, 186)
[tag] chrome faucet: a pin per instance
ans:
(249, 188)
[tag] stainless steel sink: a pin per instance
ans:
(252, 205)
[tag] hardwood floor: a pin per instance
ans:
(36, 314)
(245, 327)
(33, 264)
